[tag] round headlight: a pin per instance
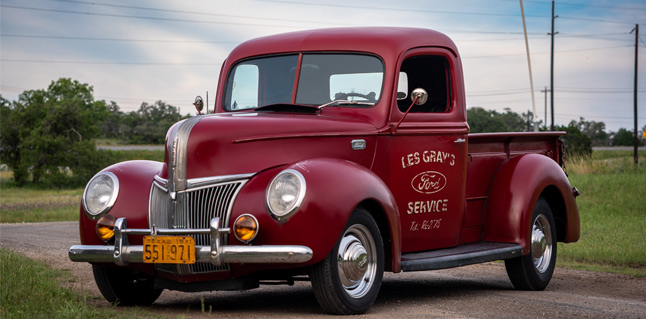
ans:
(100, 194)
(285, 193)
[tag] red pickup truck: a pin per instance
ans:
(331, 156)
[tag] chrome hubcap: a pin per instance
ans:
(356, 261)
(541, 245)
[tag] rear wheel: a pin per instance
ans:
(123, 287)
(347, 281)
(534, 271)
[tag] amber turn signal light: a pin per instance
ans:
(245, 228)
(105, 227)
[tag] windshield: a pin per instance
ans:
(322, 78)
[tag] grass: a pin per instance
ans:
(34, 204)
(157, 155)
(30, 289)
(24, 205)
(612, 209)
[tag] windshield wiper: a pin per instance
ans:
(287, 107)
(345, 102)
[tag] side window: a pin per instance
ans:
(431, 73)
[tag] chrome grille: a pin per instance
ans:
(193, 208)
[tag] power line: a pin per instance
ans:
(537, 53)
(193, 12)
(400, 9)
(150, 18)
(593, 20)
(106, 62)
(600, 37)
(586, 4)
(417, 10)
(558, 89)
(228, 23)
(113, 39)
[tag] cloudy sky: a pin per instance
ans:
(143, 51)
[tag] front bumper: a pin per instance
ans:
(122, 253)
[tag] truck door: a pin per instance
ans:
(428, 150)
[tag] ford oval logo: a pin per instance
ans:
(428, 182)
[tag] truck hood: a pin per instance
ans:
(246, 143)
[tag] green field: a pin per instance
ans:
(612, 208)
(30, 289)
(34, 204)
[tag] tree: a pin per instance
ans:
(111, 126)
(596, 131)
(515, 122)
(625, 137)
(151, 122)
(47, 132)
(576, 143)
(481, 120)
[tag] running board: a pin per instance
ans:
(460, 256)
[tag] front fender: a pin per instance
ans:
(135, 179)
(514, 191)
(334, 189)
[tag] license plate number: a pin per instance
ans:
(169, 249)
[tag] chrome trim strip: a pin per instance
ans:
(122, 253)
(161, 181)
(177, 154)
(208, 181)
(283, 254)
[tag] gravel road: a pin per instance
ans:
(478, 291)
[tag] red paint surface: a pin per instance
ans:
(489, 182)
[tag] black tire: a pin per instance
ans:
(350, 284)
(534, 270)
(124, 287)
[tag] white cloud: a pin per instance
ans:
(199, 34)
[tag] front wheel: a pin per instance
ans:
(534, 271)
(347, 281)
(123, 287)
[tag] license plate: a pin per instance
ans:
(169, 249)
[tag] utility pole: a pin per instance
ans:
(545, 91)
(552, 69)
(529, 64)
(635, 140)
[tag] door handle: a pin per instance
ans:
(460, 140)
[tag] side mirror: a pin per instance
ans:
(420, 96)
(199, 104)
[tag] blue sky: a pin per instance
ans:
(142, 51)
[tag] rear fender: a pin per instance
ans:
(514, 191)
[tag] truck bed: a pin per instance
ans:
(486, 151)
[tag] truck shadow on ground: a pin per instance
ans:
(299, 299)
